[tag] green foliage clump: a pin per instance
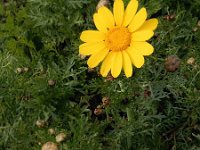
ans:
(43, 78)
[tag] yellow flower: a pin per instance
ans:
(120, 39)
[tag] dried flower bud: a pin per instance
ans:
(61, 137)
(109, 78)
(147, 93)
(169, 17)
(105, 101)
(194, 29)
(172, 63)
(19, 70)
(50, 146)
(198, 24)
(40, 123)
(98, 111)
(51, 82)
(51, 131)
(100, 106)
(90, 69)
(191, 61)
(82, 56)
(110, 118)
(25, 69)
(102, 3)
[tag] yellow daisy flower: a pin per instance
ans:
(120, 39)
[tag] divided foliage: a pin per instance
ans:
(153, 110)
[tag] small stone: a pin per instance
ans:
(51, 131)
(50, 146)
(98, 111)
(19, 70)
(51, 82)
(40, 123)
(61, 137)
(105, 101)
(191, 61)
(172, 63)
(102, 3)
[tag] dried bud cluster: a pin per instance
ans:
(198, 24)
(191, 61)
(98, 111)
(82, 56)
(105, 101)
(40, 123)
(61, 137)
(172, 63)
(100, 108)
(51, 131)
(109, 78)
(51, 82)
(169, 17)
(22, 70)
(50, 146)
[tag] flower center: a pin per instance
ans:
(118, 38)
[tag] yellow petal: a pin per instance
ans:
(150, 24)
(106, 15)
(99, 23)
(118, 10)
(116, 64)
(138, 20)
(106, 65)
(92, 36)
(130, 12)
(142, 35)
(136, 58)
(127, 65)
(143, 48)
(91, 48)
(96, 58)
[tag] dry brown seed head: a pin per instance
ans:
(19, 70)
(51, 82)
(191, 61)
(105, 101)
(25, 69)
(51, 131)
(60, 137)
(172, 63)
(100, 106)
(82, 56)
(98, 111)
(198, 24)
(50, 146)
(40, 123)
(194, 29)
(109, 77)
(90, 69)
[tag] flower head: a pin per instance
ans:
(120, 39)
